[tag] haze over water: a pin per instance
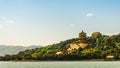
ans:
(66, 64)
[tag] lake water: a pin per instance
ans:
(60, 64)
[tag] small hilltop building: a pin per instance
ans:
(96, 34)
(80, 43)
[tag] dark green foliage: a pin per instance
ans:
(99, 47)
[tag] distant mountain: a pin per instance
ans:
(4, 49)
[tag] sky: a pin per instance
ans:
(44, 22)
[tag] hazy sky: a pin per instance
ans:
(43, 22)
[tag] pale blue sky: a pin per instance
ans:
(43, 22)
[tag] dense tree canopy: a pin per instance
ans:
(99, 47)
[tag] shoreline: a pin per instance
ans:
(61, 60)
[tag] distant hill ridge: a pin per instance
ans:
(5, 49)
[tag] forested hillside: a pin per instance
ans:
(99, 47)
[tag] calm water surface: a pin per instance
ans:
(60, 64)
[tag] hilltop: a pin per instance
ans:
(96, 46)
